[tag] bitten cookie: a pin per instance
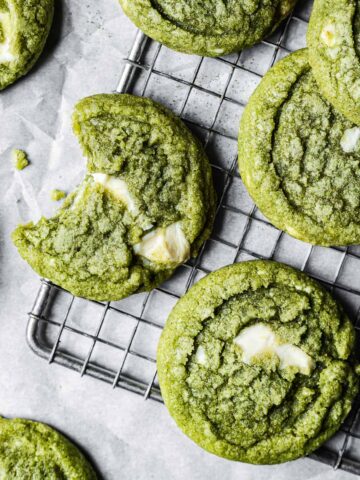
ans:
(146, 205)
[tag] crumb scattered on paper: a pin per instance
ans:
(57, 195)
(20, 159)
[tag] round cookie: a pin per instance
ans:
(299, 157)
(212, 28)
(255, 363)
(31, 450)
(334, 47)
(146, 205)
(24, 27)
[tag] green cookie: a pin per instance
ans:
(334, 46)
(34, 451)
(299, 157)
(212, 28)
(24, 27)
(255, 363)
(146, 205)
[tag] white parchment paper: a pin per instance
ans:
(124, 436)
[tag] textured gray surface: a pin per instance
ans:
(125, 436)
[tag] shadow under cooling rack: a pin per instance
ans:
(116, 342)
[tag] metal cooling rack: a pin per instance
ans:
(116, 342)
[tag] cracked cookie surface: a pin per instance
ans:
(31, 450)
(146, 205)
(211, 28)
(299, 157)
(333, 39)
(255, 363)
(24, 28)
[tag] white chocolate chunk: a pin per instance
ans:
(333, 52)
(259, 340)
(217, 51)
(292, 356)
(350, 139)
(164, 245)
(200, 355)
(5, 47)
(328, 35)
(117, 187)
(255, 340)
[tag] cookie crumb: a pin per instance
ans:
(57, 195)
(19, 159)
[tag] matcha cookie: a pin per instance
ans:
(212, 28)
(255, 363)
(146, 205)
(334, 47)
(299, 157)
(34, 451)
(24, 27)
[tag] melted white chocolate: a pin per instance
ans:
(350, 139)
(259, 340)
(164, 245)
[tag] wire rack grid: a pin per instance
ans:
(116, 342)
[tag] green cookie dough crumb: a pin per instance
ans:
(256, 363)
(146, 205)
(57, 195)
(24, 28)
(34, 451)
(20, 159)
(299, 157)
(209, 28)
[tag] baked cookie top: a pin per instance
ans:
(31, 450)
(299, 157)
(24, 27)
(255, 363)
(212, 28)
(146, 205)
(334, 47)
